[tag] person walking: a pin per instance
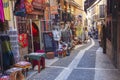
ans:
(86, 34)
(67, 35)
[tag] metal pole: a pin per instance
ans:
(14, 19)
(31, 35)
(40, 34)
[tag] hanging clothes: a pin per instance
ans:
(7, 55)
(56, 35)
(35, 31)
(6, 9)
(19, 8)
(28, 6)
(1, 11)
(66, 34)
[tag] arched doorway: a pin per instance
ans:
(36, 39)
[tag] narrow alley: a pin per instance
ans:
(59, 40)
(86, 62)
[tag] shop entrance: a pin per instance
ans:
(36, 37)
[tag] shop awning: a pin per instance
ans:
(73, 3)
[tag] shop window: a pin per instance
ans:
(101, 11)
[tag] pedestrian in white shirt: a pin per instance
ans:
(56, 38)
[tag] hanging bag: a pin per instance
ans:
(19, 9)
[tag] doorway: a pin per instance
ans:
(36, 37)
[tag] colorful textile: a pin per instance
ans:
(23, 40)
(1, 11)
(7, 55)
(20, 8)
(34, 31)
(56, 35)
(79, 31)
(66, 36)
(28, 6)
(5, 77)
(6, 9)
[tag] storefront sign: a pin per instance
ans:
(48, 42)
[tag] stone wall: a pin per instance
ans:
(23, 51)
(118, 52)
(109, 49)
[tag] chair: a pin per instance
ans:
(42, 60)
(24, 65)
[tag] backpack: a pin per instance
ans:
(19, 9)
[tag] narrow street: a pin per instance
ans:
(59, 40)
(86, 62)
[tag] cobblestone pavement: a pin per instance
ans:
(85, 63)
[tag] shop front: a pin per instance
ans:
(19, 34)
(29, 25)
(5, 47)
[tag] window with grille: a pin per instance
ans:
(101, 11)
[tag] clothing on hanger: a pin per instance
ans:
(56, 35)
(1, 11)
(7, 55)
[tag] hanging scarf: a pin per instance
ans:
(1, 11)
(6, 9)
